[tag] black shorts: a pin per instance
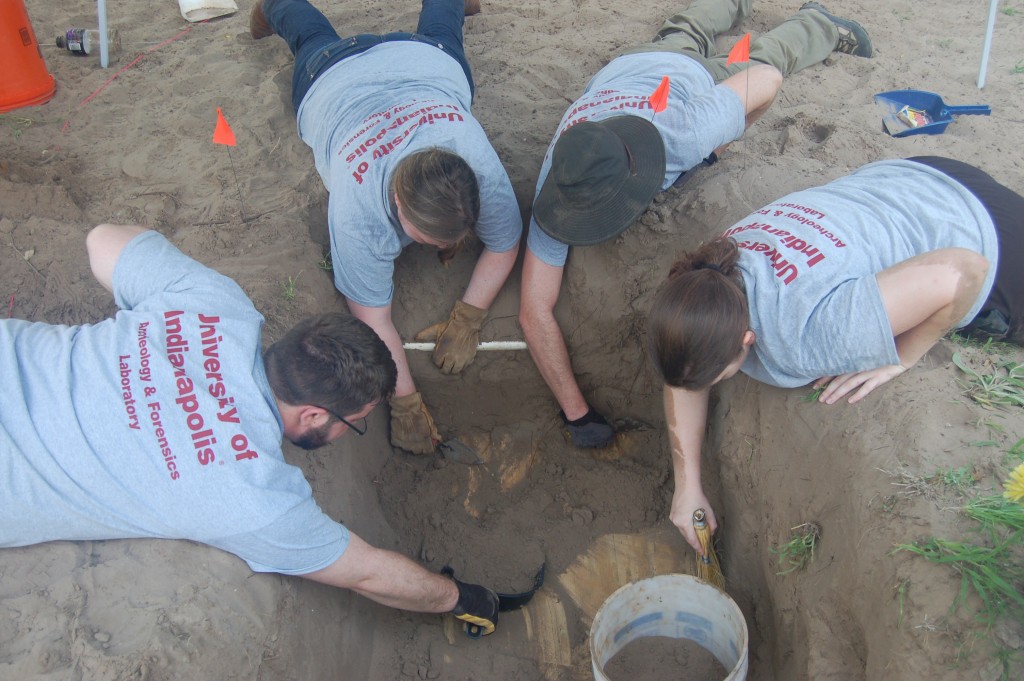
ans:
(1002, 316)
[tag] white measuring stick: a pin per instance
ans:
(486, 345)
(987, 44)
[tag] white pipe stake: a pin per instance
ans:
(988, 43)
(101, 9)
(486, 345)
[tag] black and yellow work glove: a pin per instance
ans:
(412, 427)
(589, 430)
(477, 606)
(456, 338)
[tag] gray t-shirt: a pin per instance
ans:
(809, 262)
(361, 118)
(156, 423)
(700, 117)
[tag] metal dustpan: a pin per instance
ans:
(916, 112)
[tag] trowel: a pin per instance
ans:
(917, 112)
(459, 452)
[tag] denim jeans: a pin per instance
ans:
(317, 46)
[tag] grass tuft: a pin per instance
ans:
(813, 395)
(288, 288)
(326, 263)
(799, 550)
(992, 572)
(995, 513)
(1004, 387)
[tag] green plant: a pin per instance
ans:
(799, 550)
(995, 513)
(813, 395)
(1004, 387)
(326, 263)
(1016, 452)
(288, 288)
(987, 345)
(17, 124)
(901, 595)
(1008, 11)
(959, 479)
(990, 571)
(1019, 67)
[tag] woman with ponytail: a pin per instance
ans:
(845, 286)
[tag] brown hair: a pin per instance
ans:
(438, 192)
(696, 325)
(334, 361)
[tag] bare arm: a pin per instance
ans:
(756, 88)
(686, 414)
(379, 319)
(489, 275)
(104, 243)
(924, 297)
(541, 285)
(388, 578)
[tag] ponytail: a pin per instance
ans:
(696, 325)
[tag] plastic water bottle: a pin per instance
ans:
(86, 41)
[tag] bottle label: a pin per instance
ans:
(75, 40)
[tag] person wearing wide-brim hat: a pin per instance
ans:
(611, 153)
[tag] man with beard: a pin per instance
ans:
(166, 422)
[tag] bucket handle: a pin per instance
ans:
(983, 109)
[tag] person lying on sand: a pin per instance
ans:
(388, 119)
(845, 285)
(166, 422)
(609, 158)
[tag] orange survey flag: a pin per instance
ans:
(223, 134)
(740, 52)
(659, 98)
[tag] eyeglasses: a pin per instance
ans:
(361, 430)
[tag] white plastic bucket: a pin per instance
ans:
(674, 606)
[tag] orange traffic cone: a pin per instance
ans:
(25, 80)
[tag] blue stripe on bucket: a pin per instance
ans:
(636, 624)
(694, 620)
(696, 635)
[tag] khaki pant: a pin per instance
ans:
(804, 39)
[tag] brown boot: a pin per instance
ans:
(259, 27)
(472, 7)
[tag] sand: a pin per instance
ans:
(138, 150)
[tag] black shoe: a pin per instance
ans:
(853, 39)
(259, 27)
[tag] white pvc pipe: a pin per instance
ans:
(486, 345)
(988, 43)
(101, 9)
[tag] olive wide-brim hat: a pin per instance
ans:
(603, 176)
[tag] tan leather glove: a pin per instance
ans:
(412, 427)
(456, 338)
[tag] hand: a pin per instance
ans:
(456, 338)
(477, 606)
(589, 430)
(683, 506)
(412, 427)
(861, 381)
